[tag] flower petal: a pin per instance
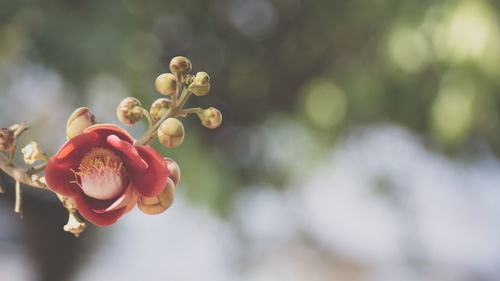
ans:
(151, 181)
(60, 179)
(86, 207)
(58, 173)
(129, 153)
(104, 130)
(75, 148)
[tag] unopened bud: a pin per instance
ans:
(201, 84)
(210, 117)
(7, 141)
(171, 132)
(159, 108)
(129, 111)
(158, 204)
(78, 121)
(31, 153)
(180, 65)
(166, 84)
(174, 171)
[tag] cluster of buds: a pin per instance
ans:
(163, 114)
(100, 164)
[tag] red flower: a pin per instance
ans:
(105, 173)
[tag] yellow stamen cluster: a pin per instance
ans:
(99, 159)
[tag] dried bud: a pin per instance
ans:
(158, 204)
(7, 141)
(166, 84)
(74, 225)
(171, 132)
(210, 117)
(173, 170)
(78, 121)
(159, 108)
(129, 111)
(31, 153)
(201, 84)
(180, 65)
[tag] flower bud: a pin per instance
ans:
(210, 117)
(129, 111)
(31, 153)
(78, 121)
(173, 170)
(171, 132)
(159, 108)
(158, 204)
(7, 140)
(180, 65)
(166, 84)
(201, 84)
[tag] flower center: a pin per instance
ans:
(101, 174)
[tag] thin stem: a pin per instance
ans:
(12, 154)
(19, 199)
(190, 110)
(174, 100)
(145, 112)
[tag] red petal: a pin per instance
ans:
(60, 180)
(151, 181)
(75, 148)
(58, 173)
(86, 207)
(104, 130)
(129, 155)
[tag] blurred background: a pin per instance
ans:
(360, 139)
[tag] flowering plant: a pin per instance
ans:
(102, 172)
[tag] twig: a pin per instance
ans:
(12, 154)
(19, 174)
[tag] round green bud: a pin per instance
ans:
(180, 65)
(158, 204)
(171, 132)
(78, 121)
(201, 84)
(129, 111)
(202, 79)
(166, 84)
(210, 117)
(159, 108)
